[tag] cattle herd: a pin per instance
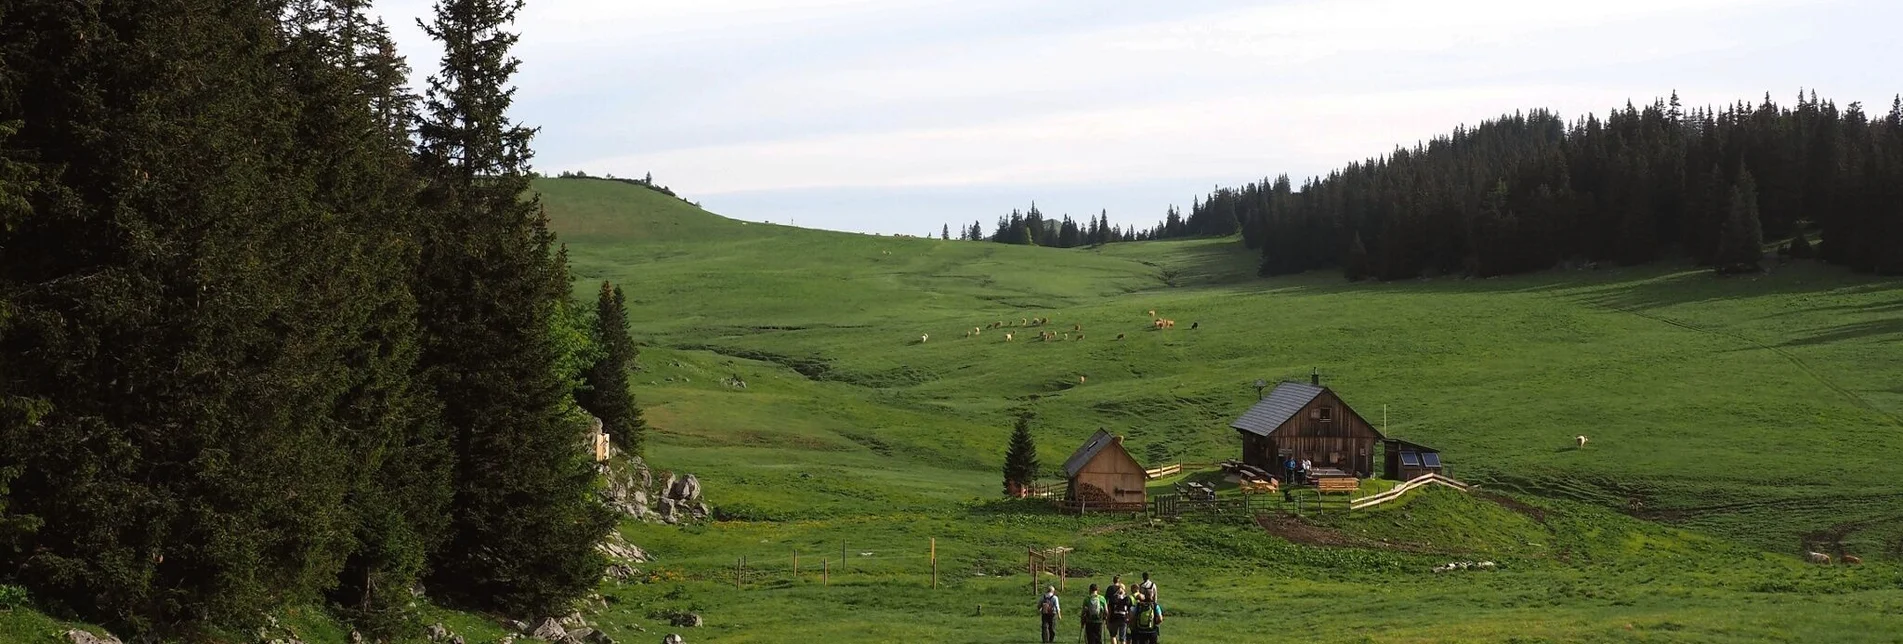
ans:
(1076, 331)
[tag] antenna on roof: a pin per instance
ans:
(1260, 385)
(1315, 376)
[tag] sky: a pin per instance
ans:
(897, 116)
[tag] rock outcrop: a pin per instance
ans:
(76, 636)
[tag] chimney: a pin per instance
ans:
(1315, 377)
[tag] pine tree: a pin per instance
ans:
(607, 394)
(944, 232)
(1356, 265)
(523, 524)
(1742, 244)
(187, 315)
(1020, 459)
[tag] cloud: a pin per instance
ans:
(799, 96)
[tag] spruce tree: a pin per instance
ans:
(523, 524)
(1020, 459)
(1742, 244)
(354, 148)
(608, 396)
(1356, 264)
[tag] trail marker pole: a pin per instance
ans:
(796, 564)
(934, 563)
(824, 573)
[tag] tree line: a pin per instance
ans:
(1530, 191)
(275, 330)
(1032, 228)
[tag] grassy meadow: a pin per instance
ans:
(1733, 423)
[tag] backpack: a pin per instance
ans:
(1146, 616)
(1094, 610)
(1119, 602)
(1046, 606)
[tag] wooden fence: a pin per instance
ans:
(1176, 506)
(1399, 490)
(1164, 471)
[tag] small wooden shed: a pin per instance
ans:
(1405, 460)
(1305, 420)
(1103, 476)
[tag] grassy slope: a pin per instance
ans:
(1747, 412)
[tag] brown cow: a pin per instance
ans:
(1851, 560)
(1119, 336)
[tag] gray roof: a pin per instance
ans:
(1082, 456)
(1281, 404)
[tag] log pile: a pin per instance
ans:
(1091, 495)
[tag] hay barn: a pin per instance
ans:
(1103, 476)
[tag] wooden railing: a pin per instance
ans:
(1418, 482)
(1164, 471)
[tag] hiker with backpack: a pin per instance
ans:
(1048, 609)
(1118, 598)
(1096, 610)
(1148, 587)
(1146, 623)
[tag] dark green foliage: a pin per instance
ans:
(1355, 266)
(523, 524)
(1800, 247)
(1020, 458)
(1526, 191)
(1741, 242)
(174, 318)
(607, 394)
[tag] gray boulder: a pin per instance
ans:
(550, 631)
(687, 620)
(76, 636)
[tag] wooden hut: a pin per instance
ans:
(1404, 460)
(1306, 421)
(1103, 476)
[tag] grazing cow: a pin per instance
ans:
(1080, 380)
(1076, 327)
(1158, 324)
(1119, 336)
(1193, 325)
(1851, 560)
(1080, 336)
(923, 338)
(1817, 558)
(1579, 441)
(1024, 322)
(1152, 312)
(1066, 335)
(1007, 337)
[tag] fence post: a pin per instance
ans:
(796, 564)
(934, 563)
(824, 573)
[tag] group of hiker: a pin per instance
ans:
(1127, 615)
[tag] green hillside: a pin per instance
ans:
(1733, 423)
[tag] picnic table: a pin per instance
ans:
(1327, 473)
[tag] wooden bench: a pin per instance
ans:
(1343, 485)
(1259, 486)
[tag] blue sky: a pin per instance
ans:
(896, 116)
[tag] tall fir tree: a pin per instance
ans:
(1020, 459)
(1742, 243)
(607, 395)
(523, 523)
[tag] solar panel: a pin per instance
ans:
(1430, 459)
(1410, 458)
